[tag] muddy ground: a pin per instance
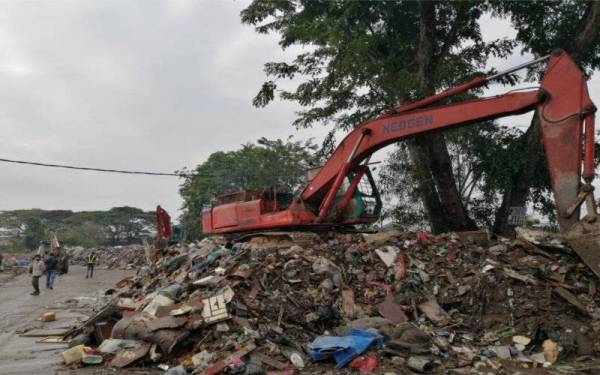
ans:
(22, 355)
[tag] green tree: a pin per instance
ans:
(88, 234)
(268, 163)
(541, 27)
(364, 58)
(35, 232)
(125, 225)
(482, 160)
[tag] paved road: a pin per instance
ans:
(22, 355)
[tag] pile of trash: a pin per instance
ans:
(123, 257)
(385, 303)
(14, 262)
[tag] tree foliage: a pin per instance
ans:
(117, 226)
(88, 234)
(483, 160)
(268, 163)
(364, 58)
(35, 232)
(360, 59)
(360, 55)
(543, 26)
(123, 225)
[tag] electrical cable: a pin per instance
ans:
(95, 169)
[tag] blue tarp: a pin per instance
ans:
(343, 349)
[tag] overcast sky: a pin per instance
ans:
(146, 85)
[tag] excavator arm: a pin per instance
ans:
(562, 103)
(378, 133)
(335, 196)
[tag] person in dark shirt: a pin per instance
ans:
(51, 267)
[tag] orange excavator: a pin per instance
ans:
(343, 193)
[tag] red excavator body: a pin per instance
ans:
(343, 192)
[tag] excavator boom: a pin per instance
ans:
(343, 193)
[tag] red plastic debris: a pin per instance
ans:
(401, 267)
(370, 281)
(235, 360)
(254, 289)
(88, 350)
(363, 247)
(365, 363)
(424, 238)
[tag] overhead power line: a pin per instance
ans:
(95, 169)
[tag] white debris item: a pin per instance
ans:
(215, 308)
(388, 254)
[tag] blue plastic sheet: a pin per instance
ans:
(345, 348)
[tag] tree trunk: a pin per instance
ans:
(518, 192)
(441, 168)
(431, 161)
(426, 188)
(588, 32)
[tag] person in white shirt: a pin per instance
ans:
(36, 269)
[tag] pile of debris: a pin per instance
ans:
(123, 257)
(10, 261)
(381, 303)
(12, 265)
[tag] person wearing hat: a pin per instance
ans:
(36, 269)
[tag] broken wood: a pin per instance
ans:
(108, 311)
(270, 361)
(42, 333)
(572, 299)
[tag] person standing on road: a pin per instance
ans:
(91, 262)
(36, 269)
(1, 266)
(51, 266)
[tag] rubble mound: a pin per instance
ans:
(124, 257)
(385, 303)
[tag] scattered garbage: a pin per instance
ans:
(92, 359)
(49, 316)
(420, 364)
(73, 355)
(111, 346)
(379, 303)
(123, 257)
(550, 351)
(366, 363)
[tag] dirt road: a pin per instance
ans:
(22, 355)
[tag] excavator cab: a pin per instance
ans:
(364, 205)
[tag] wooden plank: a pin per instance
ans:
(42, 333)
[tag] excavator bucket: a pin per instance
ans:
(562, 132)
(561, 120)
(584, 239)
